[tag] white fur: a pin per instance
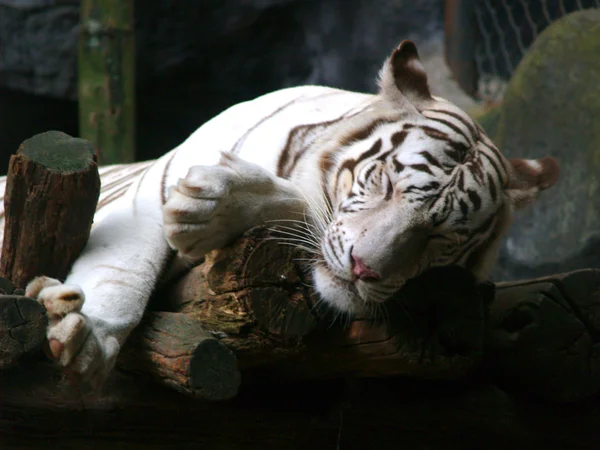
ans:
(213, 196)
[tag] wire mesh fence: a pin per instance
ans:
(505, 30)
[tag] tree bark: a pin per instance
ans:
(254, 295)
(180, 354)
(51, 192)
(462, 353)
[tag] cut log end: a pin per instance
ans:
(58, 152)
(178, 352)
(52, 189)
(22, 327)
(213, 371)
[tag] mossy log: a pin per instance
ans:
(50, 196)
(52, 189)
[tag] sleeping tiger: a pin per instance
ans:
(385, 185)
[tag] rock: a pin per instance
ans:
(552, 107)
(39, 46)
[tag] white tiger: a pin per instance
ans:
(390, 185)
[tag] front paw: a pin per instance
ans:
(213, 205)
(77, 343)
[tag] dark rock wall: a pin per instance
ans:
(196, 58)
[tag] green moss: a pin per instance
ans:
(552, 107)
(58, 151)
(489, 121)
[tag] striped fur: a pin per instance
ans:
(377, 188)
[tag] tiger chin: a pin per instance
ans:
(376, 188)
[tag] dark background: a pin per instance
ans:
(196, 58)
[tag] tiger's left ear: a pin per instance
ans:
(529, 177)
(403, 78)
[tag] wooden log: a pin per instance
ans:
(22, 327)
(544, 336)
(279, 338)
(255, 296)
(541, 336)
(180, 354)
(51, 192)
(134, 413)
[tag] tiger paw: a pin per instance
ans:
(79, 344)
(213, 205)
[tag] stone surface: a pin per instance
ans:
(552, 107)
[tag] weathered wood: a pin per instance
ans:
(180, 354)
(22, 327)
(253, 297)
(51, 192)
(256, 295)
(106, 78)
(382, 414)
(544, 335)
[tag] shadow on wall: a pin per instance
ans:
(23, 114)
(197, 58)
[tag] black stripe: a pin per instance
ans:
(430, 159)
(475, 199)
(464, 209)
(369, 171)
(502, 175)
(390, 190)
(398, 165)
(421, 168)
(495, 167)
(452, 127)
(492, 187)
(350, 164)
(287, 162)
(363, 133)
(398, 137)
(472, 241)
(461, 119)
(242, 139)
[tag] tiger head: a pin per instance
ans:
(415, 183)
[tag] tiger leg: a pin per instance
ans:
(213, 205)
(104, 297)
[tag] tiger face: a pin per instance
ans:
(416, 185)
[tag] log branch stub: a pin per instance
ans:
(180, 354)
(51, 193)
(544, 335)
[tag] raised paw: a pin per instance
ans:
(76, 342)
(213, 205)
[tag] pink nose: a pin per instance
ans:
(362, 271)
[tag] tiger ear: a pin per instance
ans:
(403, 77)
(529, 177)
